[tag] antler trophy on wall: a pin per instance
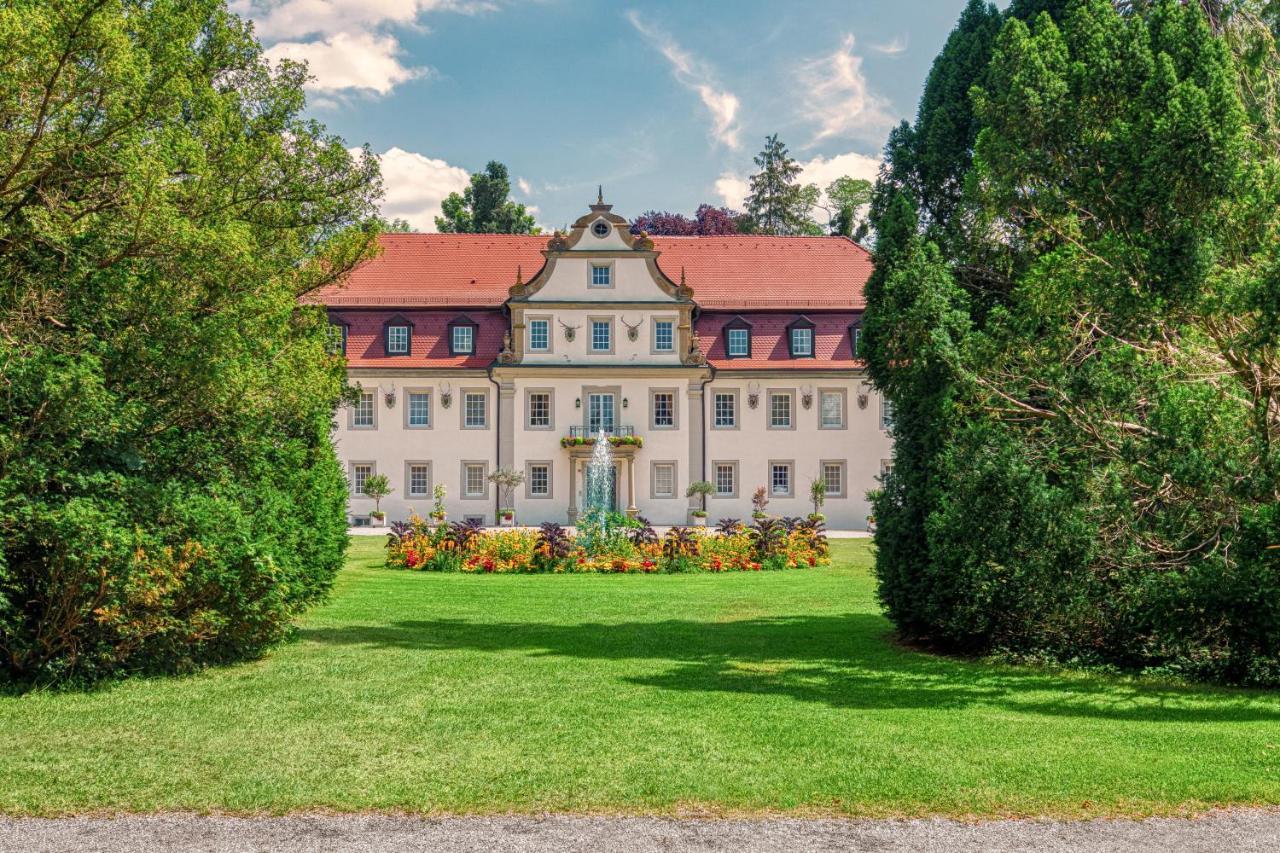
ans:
(446, 394)
(389, 396)
(753, 394)
(569, 331)
(806, 396)
(633, 330)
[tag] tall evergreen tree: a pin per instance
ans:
(778, 204)
(484, 207)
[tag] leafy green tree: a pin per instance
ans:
(1077, 337)
(847, 197)
(169, 495)
(777, 203)
(484, 207)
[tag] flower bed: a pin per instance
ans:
(617, 546)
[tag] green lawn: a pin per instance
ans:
(731, 693)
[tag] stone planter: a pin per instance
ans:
(699, 521)
(376, 521)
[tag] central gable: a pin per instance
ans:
(600, 261)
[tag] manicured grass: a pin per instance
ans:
(732, 693)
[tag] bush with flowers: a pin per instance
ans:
(617, 545)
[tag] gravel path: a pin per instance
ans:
(1237, 831)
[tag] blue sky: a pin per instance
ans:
(664, 103)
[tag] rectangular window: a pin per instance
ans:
(831, 410)
(360, 472)
(886, 414)
(475, 410)
(397, 340)
(857, 342)
(886, 467)
(464, 340)
(726, 410)
(601, 275)
(337, 338)
(601, 336)
(539, 410)
(780, 479)
(419, 403)
(539, 335)
(779, 411)
(726, 480)
(419, 480)
(664, 336)
(600, 413)
(540, 481)
(833, 478)
(801, 343)
(363, 414)
(664, 479)
(473, 480)
(739, 343)
(664, 409)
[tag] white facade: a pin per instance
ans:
(613, 350)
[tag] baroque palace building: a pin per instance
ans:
(733, 359)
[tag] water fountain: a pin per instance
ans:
(597, 496)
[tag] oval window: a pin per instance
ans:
(601, 228)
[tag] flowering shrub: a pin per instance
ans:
(436, 547)
(614, 440)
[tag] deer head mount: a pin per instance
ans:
(389, 396)
(633, 330)
(806, 396)
(569, 331)
(446, 394)
(753, 394)
(863, 395)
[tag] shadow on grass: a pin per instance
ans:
(843, 661)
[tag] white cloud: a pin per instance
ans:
(893, 47)
(356, 61)
(293, 19)
(733, 188)
(415, 185)
(838, 98)
(525, 187)
(696, 75)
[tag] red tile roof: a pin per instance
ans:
(429, 342)
(770, 350)
(735, 272)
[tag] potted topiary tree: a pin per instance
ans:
(506, 479)
(700, 489)
(759, 501)
(377, 487)
(818, 494)
(438, 511)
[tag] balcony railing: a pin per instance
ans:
(588, 432)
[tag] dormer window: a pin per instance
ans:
(601, 228)
(855, 340)
(737, 338)
(337, 337)
(462, 336)
(397, 336)
(800, 338)
(602, 275)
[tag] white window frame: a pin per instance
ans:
(886, 414)
(667, 323)
(409, 493)
(653, 479)
(372, 398)
(607, 323)
(463, 409)
(843, 467)
(790, 395)
(843, 395)
(746, 341)
(790, 465)
(653, 408)
(357, 491)
(607, 269)
(547, 322)
(715, 409)
(409, 394)
(732, 466)
(529, 394)
(806, 333)
(464, 493)
(396, 345)
(529, 493)
(470, 331)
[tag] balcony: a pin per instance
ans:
(587, 432)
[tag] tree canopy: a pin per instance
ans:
(484, 207)
(168, 492)
(707, 220)
(1074, 313)
(778, 203)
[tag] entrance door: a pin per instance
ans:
(600, 413)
